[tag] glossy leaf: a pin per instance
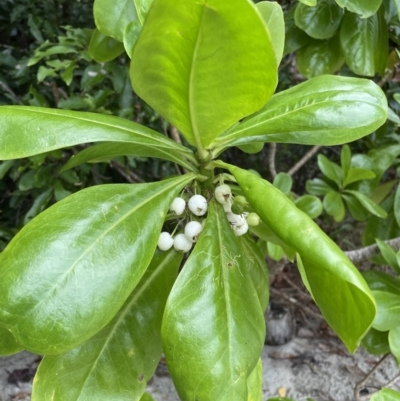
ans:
(320, 57)
(8, 343)
(275, 252)
(318, 187)
(254, 383)
(356, 209)
(397, 205)
(389, 255)
(369, 204)
(21, 127)
(382, 44)
(321, 21)
(334, 206)
(104, 48)
(310, 205)
(131, 36)
(65, 275)
(257, 267)
(362, 7)
(325, 110)
(358, 174)
(336, 285)
(147, 397)
(331, 170)
(397, 5)
(376, 342)
(295, 38)
(199, 81)
(107, 150)
(283, 182)
(121, 358)
(394, 342)
(142, 8)
(388, 316)
(359, 45)
(381, 281)
(382, 191)
(111, 18)
(213, 320)
(345, 159)
(272, 15)
(386, 394)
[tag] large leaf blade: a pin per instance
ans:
(362, 7)
(199, 81)
(27, 131)
(65, 274)
(213, 318)
(325, 110)
(336, 285)
(122, 357)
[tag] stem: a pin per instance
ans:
(208, 184)
(367, 252)
(304, 159)
(271, 159)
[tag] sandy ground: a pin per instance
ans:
(305, 367)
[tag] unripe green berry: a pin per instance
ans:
(253, 219)
(241, 200)
(236, 208)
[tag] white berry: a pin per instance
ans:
(182, 243)
(223, 193)
(178, 206)
(253, 219)
(192, 230)
(165, 241)
(240, 229)
(236, 219)
(198, 205)
(227, 207)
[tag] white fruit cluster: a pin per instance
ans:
(198, 205)
(239, 222)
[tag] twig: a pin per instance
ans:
(304, 159)
(359, 386)
(365, 253)
(11, 93)
(130, 176)
(271, 159)
(307, 310)
(175, 134)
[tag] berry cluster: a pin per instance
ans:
(197, 204)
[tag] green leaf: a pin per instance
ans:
(309, 2)
(142, 8)
(254, 383)
(257, 268)
(213, 318)
(318, 187)
(331, 170)
(388, 316)
(337, 286)
(283, 182)
(397, 205)
(104, 48)
(397, 5)
(5, 167)
(111, 18)
(382, 44)
(200, 81)
(368, 203)
(121, 358)
(365, 8)
(382, 191)
(65, 275)
(355, 174)
(131, 36)
(39, 204)
(275, 252)
(334, 206)
(147, 397)
(252, 148)
(356, 209)
(321, 21)
(295, 38)
(382, 281)
(272, 15)
(320, 57)
(394, 342)
(376, 342)
(108, 150)
(345, 159)
(358, 37)
(310, 205)
(389, 255)
(325, 110)
(386, 394)
(22, 126)
(8, 344)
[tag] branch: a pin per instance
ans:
(304, 159)
(11, 93)
(372, 250)
(175, 134)
(271, 159)
(130, 176)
